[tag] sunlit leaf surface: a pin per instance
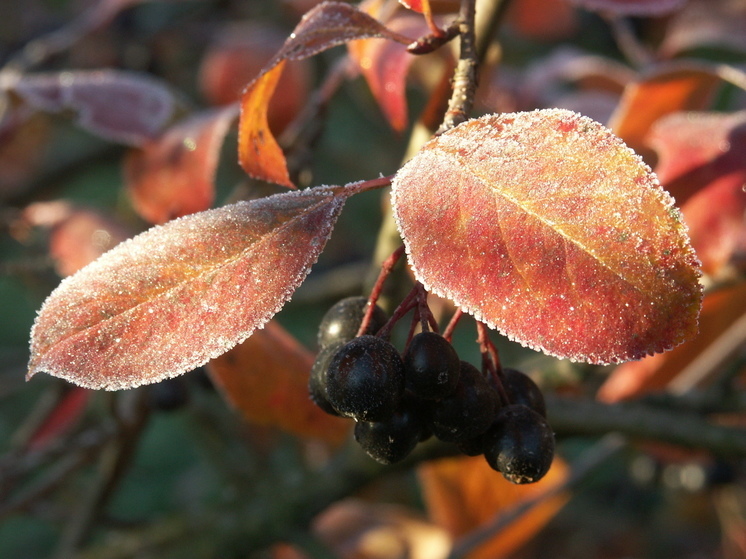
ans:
(547, 227)
(180, 294)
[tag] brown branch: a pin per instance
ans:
(465, 76)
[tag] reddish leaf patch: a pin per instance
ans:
(547, 227)
(180, 294)
(174, 175)
(385, 65)
(702, 164)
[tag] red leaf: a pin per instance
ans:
(546, 20)
(266, 379)
(180, 294)
(673, 88)
(61, 418)
(385, 65)
(327, 25)
(701, 162)
(174, 175)
(120, 106)
(547, 227)
(631, 7)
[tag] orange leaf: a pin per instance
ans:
(180, 294)
(671, 89)
(464, 493)
(720, 311)
(260, 154)
(327, 25)
(266, 379)
(174, 175)
(237, 56)
(547, 227)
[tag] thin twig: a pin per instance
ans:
(465, 76)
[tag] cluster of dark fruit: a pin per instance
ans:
(399, 400)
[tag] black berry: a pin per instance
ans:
(318, 378)
(391, 440)
(431, 366)
(469, 410)
(365, 379)
(523, 390)
(519, 444)
(342, 321)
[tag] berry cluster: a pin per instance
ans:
(399, 400)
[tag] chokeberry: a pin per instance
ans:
(523, 390)
(469, 410)
(391, 440)
(342, 321)
(365, 379)
(431, 366)
(519, 444)
(318, 378)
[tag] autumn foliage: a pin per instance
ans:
(582, 216)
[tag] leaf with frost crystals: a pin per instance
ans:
(547, 227)
(174, 297)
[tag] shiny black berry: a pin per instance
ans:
(365, 379)
(318, 377)
(523, 390)
(342, 321)
(469, 410)
(519, 444)
(391, 440)
(431, 366)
